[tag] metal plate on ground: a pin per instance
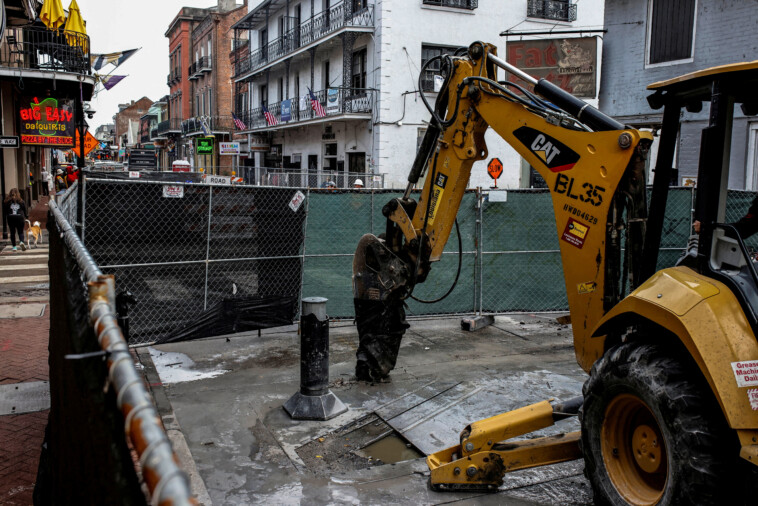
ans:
(435, 423)
(22, 310)
(27, 397)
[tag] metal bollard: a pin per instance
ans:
(314, 400)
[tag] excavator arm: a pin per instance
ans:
(593, 165)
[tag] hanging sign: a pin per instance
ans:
(204, 145)
(47, 122)
(286, 110)
(332, 101)
(229, 148)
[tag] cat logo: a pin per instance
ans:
(554, 154)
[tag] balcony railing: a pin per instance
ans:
(32, 47)
(551, 9)
(344, 101)
(324, 181)
(173, 125)
(204, 64)
(212, 124)
(318, 27)
(192, 72)
(174, 77)
(457, 4)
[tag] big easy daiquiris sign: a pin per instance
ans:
(47, 122)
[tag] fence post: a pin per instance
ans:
(208, 244)
(479, 320)
(83, 184)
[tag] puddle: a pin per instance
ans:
(390, 450)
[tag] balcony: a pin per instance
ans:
(204, 64)
(553, 10)
(192, 73)
(347, 101)
(456, 4)
(169, 126)
(37, 48)
(174, 77)
(215, 124)
(317, 28)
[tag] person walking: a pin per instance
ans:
(60, 182)
(15, 209)
(45, 182)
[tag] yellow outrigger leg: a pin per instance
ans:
(485, 455)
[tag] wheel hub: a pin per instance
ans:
(634, 450)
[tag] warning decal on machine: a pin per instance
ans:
(752, 395)
(746, 373)
(575, 233)
(440, 182)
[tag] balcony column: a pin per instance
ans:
(348, 40)
(287, 79)
(348, 6)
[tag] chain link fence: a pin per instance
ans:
(219, 259)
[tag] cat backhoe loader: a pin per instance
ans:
(668, 415)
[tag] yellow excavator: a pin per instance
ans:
(668, 415)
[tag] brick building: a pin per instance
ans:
(127, 121)
(200, 99)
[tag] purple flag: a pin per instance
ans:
(110, 81)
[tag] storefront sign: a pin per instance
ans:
(143, 159)
(258, 143)
(204, 145)
(47, 122)
(286, 110)
(229, 148)
(569, 63)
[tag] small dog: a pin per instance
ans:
(33, 230)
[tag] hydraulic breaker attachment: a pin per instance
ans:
(484, 454)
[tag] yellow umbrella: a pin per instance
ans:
(52, 14)
(75, 23)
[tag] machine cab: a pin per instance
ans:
(721, 252)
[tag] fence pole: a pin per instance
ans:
(305, 240)
(479, 248)
(83, 184)
(208, 245)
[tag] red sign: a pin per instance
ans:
(570, 63)
(47, 122)
(495, 168)
(575, 233)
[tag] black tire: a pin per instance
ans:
(699, 451)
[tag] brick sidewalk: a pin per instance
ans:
(23, 358)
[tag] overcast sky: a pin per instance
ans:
(116, 26)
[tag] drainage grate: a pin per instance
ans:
(363, 443)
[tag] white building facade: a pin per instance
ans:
(361, 60)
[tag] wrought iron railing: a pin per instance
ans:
(318, 27)
(172, 125)
(335, 101)
(551, 9)
(31, 47)
(174, 77)
(204, 64)
(192, 71)
(458, 4)
(201, 124)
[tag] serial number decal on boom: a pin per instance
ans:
(554, 154)
(590, 218)
(437, 190)
(584, 192)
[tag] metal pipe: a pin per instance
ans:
(510, 68)
(166, 481)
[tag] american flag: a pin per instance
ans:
(238, 122)
(270, 118)
(316, 105)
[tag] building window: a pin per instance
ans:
(210, 102)
(358, 79)
(457, 4)
(672, 27)
(428, 52)
(556, 10)
(264, 94)
(326, 74)
(330, 156)
(280, 89)
(361, 4)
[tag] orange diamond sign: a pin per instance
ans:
(90, 143)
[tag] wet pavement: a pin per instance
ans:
(222, 399)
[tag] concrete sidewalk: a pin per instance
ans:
(224, 398)
(24, 390)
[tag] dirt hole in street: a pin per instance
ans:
(361, 444)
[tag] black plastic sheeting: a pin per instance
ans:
(85, 457)
(193, 278)
(237, 315)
